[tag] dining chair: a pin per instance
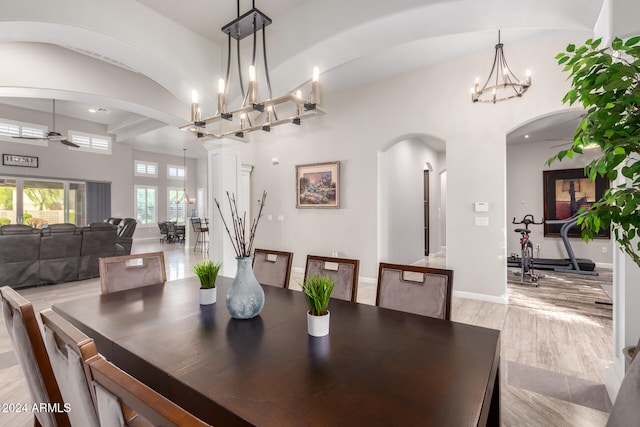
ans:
(171, 231)
(201, 228)
(114, 387)
(343, 271)
(626, 411)
(70, 352)
(164, 232)
(414, 289)
(132, 271)
(272, 268)
(24, 333)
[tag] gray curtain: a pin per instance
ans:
(98, 201)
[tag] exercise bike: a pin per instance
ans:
(526, 261)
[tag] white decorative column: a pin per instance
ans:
(618, 19)
(224, 176)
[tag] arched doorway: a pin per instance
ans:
(409, 202)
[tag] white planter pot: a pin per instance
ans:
(208, 296)
(318, 326)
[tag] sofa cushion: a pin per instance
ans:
(18, 229)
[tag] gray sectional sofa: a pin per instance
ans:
(58, 253)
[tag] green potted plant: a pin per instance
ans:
(207, 271)
(606, 81)
(317, 290)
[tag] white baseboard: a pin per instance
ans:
(612, 379)
(607, 265)
(502, 299)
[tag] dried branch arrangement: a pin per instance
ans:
(241, 244)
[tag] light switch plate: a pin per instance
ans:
(482, 221)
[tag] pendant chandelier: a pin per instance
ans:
(253, 113)
(184, 197)
(501, 84)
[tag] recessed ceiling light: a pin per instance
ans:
(92, 110)
(526, 136)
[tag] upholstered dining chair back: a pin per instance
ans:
(70, 352)
(413, 289)
(626, 411)
(272, 268)
(343, 271)
(114, 387)
(132, 271)
(25, 336)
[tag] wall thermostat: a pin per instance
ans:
(482, 207)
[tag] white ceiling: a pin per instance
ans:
(362, 41)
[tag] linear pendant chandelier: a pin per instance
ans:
(184, 197)
(505, 84)
(253, 113)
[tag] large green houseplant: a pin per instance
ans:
(606, 81)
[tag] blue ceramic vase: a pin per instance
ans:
(245, 298)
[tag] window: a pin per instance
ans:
(93, 143)
(176, 210)
(37, 202)
(143, 168)
(11, 128)
(176, 172)
(146, 204)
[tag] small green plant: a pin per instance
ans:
(318, 290)
(207, 272)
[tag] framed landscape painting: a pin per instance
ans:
(318, 185)
(566, 191)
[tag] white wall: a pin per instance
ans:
(362, 121)
(525, 163)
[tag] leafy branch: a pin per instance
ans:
(241, 244)
(606, 81)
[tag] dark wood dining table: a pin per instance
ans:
(376, 366)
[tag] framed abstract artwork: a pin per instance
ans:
(318, 185)
(566, 191)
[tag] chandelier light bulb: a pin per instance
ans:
(194, 106)
(220, 85)
(528, 77)
(253, 91)
(315, 77)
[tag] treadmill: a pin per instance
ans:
(567, 265)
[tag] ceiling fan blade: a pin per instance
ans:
(563, 145)
(29, 137)
(69, 143)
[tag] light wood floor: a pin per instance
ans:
(553, 354)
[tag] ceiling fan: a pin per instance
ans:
(52, 135)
